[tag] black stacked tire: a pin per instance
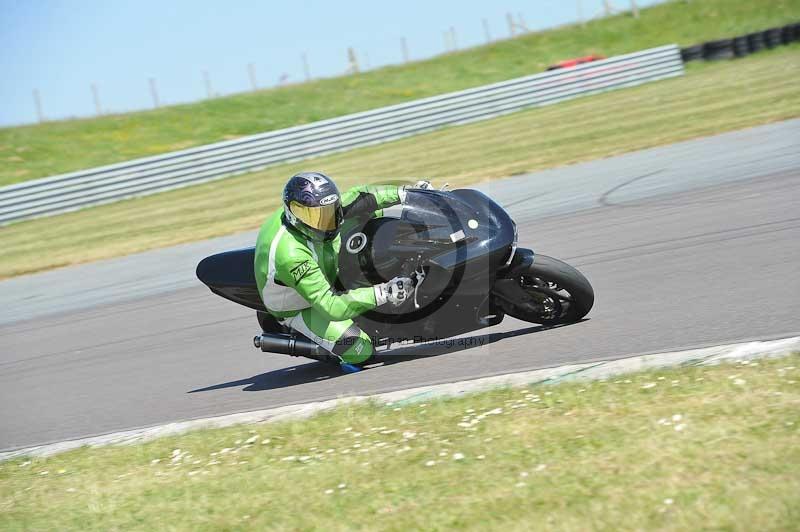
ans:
(791, 33)
(772, 37)
(755, 41)
(717, 50)
(740, 46)
(692, 53)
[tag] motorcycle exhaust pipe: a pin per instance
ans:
(286, 344)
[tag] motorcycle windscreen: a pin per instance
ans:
(462, 216)
(445, 217)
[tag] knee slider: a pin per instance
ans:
(354, 346)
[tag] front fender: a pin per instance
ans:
(506, 286)
(523, 258)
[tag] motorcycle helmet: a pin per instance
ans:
(313, 206)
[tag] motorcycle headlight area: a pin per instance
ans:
(513, 247)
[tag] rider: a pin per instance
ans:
(296, 263)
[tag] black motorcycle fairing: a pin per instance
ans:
(461, 239)
(457, 315)
(488, 230)
(452, 230)
(231, 275)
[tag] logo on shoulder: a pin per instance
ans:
(300, 270)
(327, 200)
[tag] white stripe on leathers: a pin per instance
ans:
(297, 323)
(276, 297)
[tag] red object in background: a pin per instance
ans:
(569, 63)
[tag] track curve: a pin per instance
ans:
(686, 245)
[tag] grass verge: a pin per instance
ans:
(56, 147)
(679, 449)
(711, 98)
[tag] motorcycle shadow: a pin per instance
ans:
(319, 371)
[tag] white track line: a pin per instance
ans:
(584, 371)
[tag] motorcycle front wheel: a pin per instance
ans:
(556, 293)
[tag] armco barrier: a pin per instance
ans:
(73, 191)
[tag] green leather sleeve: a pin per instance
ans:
(304, 275)
(363, 201)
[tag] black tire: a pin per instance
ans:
(718, 50)
(567, 278)
(692, 53)
(791, 33)
(740, 46)
(772, 37)
(755, 41)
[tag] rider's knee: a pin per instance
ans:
(354, 346)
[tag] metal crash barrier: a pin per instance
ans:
(139, 177)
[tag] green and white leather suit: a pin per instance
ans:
(295, 277)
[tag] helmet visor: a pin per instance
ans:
(321, 218)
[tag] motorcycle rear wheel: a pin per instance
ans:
(558, 293)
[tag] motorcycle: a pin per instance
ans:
(460, 249)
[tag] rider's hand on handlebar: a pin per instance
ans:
(396, 291)
(422, 185)
(419, 185)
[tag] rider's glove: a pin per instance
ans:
(419, 185)
(396, 291)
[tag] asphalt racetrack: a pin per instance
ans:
(687, 245)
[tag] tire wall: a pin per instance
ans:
(742, 45)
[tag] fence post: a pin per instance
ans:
(96, 97)
(522, 26)
(353, 60)
(251, 71)
(37, 101)
(486, 31)
(306, 70)
(154, 92)
(207, 81)
(634, 9)
(405, 49)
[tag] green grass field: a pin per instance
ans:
(683, 449)
(56, 147)
(710, 99)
